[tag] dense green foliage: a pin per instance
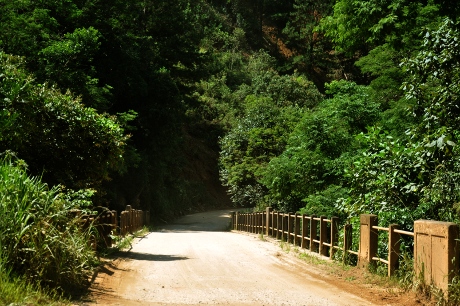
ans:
(319, 150)
(385, 146)
(330, 108)
(39, 236)
(85, 145)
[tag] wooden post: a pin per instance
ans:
(368, 241)
(347, 241)
(290, 227)
(313, 233)
(262, 222)
(283, 227)
(297, 230)
(130, 218)
(273, 222)
(334, 234)
(303, 244)
(246, 222)
(268, 220)
(322, 236)
(278, 225)
(249, 223)
(394, 242)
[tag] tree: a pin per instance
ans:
(55, 133)
(416, 177)
(319, 149)
(363, 25)
(258, 136)
(308, 45)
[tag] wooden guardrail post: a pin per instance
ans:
(436, 253)
(368, 241)
(261, 222)
(272, 223)
(322, 236)
(290, 228)
(297, 228)
(394, 242)
(268, 220)
(130, 218)
(347, 241)
(250, 222)
(285, 227)
(303, 244)
(334, 235)
(279, 225)
(313, 233)
(246, 224)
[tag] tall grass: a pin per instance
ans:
(16, 290)
(40, 238)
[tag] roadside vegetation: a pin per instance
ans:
(336, 107)
(42, 244)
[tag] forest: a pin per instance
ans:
(334, 107)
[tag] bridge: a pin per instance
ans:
(197, 261)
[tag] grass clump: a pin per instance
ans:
(18, 291)
(41, 240)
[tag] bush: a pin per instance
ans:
(40, 238)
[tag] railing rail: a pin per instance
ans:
(321, 235)
(318, 234)
(108, 223)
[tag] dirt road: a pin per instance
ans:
(195, 261)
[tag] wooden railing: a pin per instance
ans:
(369, 239)
(108, 224)
(321, 235)
(318, 234)
(132, 220)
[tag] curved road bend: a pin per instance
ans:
(196, 262)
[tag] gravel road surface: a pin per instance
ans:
(195, 261)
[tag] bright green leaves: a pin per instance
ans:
(69, 62)
(259, 135)
(40, 238)
(360, 25)
(76, 46)
(434, 77)
(416, 176)
(319, 149)
(55, 133)
(387, 178)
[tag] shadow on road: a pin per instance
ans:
(215, 221)
(151, 257)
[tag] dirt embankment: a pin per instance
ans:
(195, 261)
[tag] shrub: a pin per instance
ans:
(40, 238)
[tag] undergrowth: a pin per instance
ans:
(16, 290)
(123, 243)
(41, 239)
